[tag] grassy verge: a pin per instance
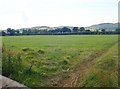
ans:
(104, 73)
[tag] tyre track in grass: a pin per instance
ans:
(77, 74)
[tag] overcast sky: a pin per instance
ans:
(29, 13)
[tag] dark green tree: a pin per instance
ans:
(3, 33)
(82, 29)
(103, 31)
(10, 31)
(75, 29)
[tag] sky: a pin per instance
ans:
(30, 13)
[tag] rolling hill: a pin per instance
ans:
(107, 26)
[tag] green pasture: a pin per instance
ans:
(45, 59)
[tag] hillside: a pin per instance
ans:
(107, 26)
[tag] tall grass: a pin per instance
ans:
(43, 60)
(104, 73)
(11, 62)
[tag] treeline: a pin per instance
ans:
(57, 31)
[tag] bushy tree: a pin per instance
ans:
(3, 33)
(10, 31)
(82, 29)
(75, 29)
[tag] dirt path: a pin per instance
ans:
(76, 75)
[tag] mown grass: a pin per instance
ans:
(36, 60)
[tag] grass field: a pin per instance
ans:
(72, 60)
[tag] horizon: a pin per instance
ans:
(58, 26)
(18, 14)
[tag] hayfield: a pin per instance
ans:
(61, 60)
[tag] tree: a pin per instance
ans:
(103, 31)
(24, 32)
(65, 29)
(3, 33)
(10, 31)
(97, 31)
(17, 31)
(29, 32)
(117, 30)
(75, 29)
(82, 29)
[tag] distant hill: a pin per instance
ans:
(41, 27)
(107, 26)
(51, 28)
